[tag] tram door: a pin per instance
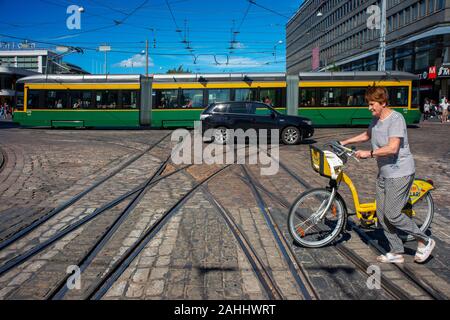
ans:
(145, 114)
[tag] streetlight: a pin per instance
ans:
(275, 49)
(382, 53)
(105, 48)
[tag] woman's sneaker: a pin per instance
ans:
(391, 258)
(423, 253)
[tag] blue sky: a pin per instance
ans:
(208, 27)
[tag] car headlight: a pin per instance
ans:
(308, 122)
(204, 116)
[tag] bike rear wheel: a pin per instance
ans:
(316, 234)
(423, 215)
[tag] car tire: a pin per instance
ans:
(291, 135)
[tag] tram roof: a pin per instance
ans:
(216, 77)
(358, 75)
(110, 78)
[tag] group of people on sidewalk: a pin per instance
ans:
(5, 111)
(432, 110)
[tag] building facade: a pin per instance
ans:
(339, 35)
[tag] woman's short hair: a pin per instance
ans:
(378, 94)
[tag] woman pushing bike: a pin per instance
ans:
(390, 147)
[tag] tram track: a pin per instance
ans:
(301, 278)
(104, 284)
(3, 159)
(46, 217)
(388, 285)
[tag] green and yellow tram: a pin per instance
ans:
(164, 101)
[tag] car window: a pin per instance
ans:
(220, 108)
(238, 108)
(260, 109)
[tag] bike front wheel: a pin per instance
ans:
(304, 225)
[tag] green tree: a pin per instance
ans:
(178, 70)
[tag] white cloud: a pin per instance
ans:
(136, 61)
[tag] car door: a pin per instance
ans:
(239, 117)
(264, 117)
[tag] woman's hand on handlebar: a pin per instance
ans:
(363, 154)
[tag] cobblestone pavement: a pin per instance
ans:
(194, 255)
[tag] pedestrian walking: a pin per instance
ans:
(396, 169)
(444, 109)
(2, 111)
(426, 109)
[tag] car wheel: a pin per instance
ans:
(221, 135)
(291, 135)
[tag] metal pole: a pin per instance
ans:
(382, 54)
(146, 58)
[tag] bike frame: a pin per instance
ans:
(368, 211)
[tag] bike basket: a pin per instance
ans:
(319, 162)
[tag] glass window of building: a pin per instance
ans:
(245, 95)
(430, 6)
(192, 98)
(219, 95)
(130, 99)
(423, 8)
(440, 4)
(414, 10)
(165, 99)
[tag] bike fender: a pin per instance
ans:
(419, 189)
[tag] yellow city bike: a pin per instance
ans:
(319, 215)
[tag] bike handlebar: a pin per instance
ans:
(342, 150)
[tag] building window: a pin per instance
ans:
(423, 8)
(440, 4)
(430, 6)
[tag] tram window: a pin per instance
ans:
(356, 97)
(33, 101)
(129, 99)
(192, 98)
(56, 99)
(166, 99)
(398, 96)
(308, 97)
(245, 95)
(217, 95)
(107, 99)
(80, 99)
(331, 97)
(272, 97)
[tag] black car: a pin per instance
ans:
(253, 115)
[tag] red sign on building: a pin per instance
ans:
(315, 58)
(432, 72)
